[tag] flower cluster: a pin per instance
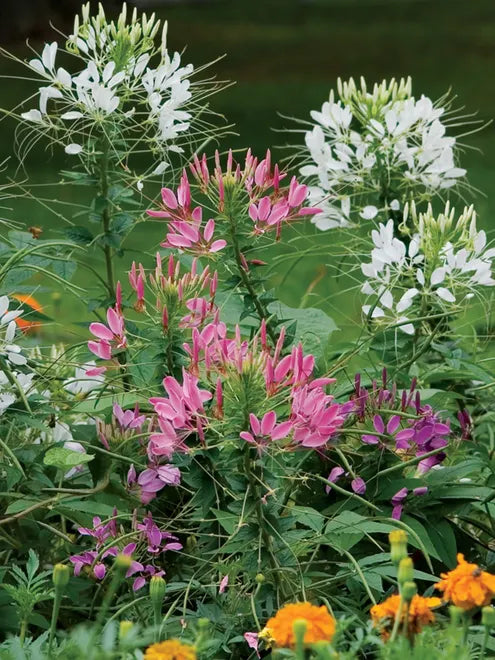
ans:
(127, 79)
(374, 149)
(279, 630)
(467, 586)
(418, 613)
(437, 264)
(408, 428)
(251, 200)
(150, 542)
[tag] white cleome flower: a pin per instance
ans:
(82, 384)
(10, 351)
(446, 263)
(364, 138)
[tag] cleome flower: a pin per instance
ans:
(122, 76)
(419, 613)
(467, 585)
(10, 351)
(370, 150)
(445, 263)
(279, 632)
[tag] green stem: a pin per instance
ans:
(484, 643)
(397, 620)
(56, 607)
(105, 219)
(22, 633)
(261, 310)
(14, 382)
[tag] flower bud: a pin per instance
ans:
(398, 545)
(406, 570)
(456, 615)
(260, 578)
(203, 623)
(157, 589)
(299, 628)
(123, 562)
(488, 616)
(409, 590)
(60, 576)
(125, 628)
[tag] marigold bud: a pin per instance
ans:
(398, 545)
(157, 589)
(203, 623)
(456, 614)
(125, 628)
(409, 590)
(488, 616)
(60, 576)
(260, 578)
(299, 627)
(406, 570)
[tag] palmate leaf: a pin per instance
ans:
(64, 458)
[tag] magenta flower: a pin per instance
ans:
(137, 281)
(265, 431)
(189, 236)
(223, 584)
(101, 532)
(252, 641)
(109, 337)
(315, 416)
(358, 484)
(399, 498)
(130, 419)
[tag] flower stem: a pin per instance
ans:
(262, 311)
(105, 218)
(56, 607)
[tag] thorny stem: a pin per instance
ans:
(261, 309)
(259, 514)
(105, 219)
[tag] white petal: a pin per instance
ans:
(17, 358)
(420, 277)
(160, 168)
(4, 304)
(32, 115)
(408, 328)
(437, 276)
(10, 332)
(369, 212)
(73, 149)
(445, 294)
(72, 115)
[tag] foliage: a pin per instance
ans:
(206, 433)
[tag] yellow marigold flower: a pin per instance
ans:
(320, 625)
(467, 586)
(420, 614)
(172, 649)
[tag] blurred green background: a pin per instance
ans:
(284, 57)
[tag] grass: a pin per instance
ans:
(284, 57)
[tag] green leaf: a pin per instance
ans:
(308, 517)
(106, 402)
(229, 521)
(65, 459)
(313, 329)
(79, 235)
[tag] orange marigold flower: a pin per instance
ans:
(320, 625)
(419, 615)
(25, 324)
(467, 586)
(172, 649)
